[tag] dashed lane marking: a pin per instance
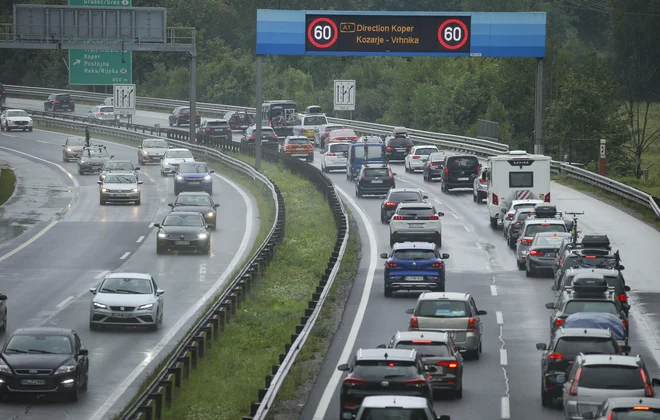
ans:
(140, 239)
(503, 357)
(126, 254)
(493, 290)
(506, 410)
(151, 225)
(499, 317)
(102, 274)
(65, 301)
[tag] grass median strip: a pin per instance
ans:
(7, 184)
(230, 375)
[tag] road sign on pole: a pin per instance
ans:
(94, 67)
(344, 95)
(123, 99)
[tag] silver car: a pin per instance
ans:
(529, 230)
(152, 151)
(172, 158)
(126, 299)
(118, 166)
(626, 408)
(101, 113)
(596, 377)
(120, 187)
(397, 407)
(334, 156)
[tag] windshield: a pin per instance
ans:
(467, 162)
(443, 309)
(375, 151)
(155, 144)
(587, 345)
(107, 109)
(17, 114)
(426, 151)
(75, 141)
(125, 166)
(298, 141)
(63, 97)
(376, 172)
(127, 286)
(432, 349)
(576, 306)
(178, 154)
(193, 168)
(339, 148)
(216, 123)
(399, 197)
(522, 215)
(193, 200)
(639, 414)
(532, 230)
(316, 120)
(183, 220)
(394, 413)
(343, 133)
(384, 369)
(611, 377)
(414, 254)
(417, 211)
(548, 241)
(119, 179)
(97, 152)
(39, 343)
(184, 111)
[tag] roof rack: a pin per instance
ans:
(589, 284)
(545, 210)
(596, 241)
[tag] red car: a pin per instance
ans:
(345, 134)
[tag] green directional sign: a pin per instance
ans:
(97, 67)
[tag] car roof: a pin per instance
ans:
(582, 332)
(420, 204)
(133, 275)
(610, 359)
(443, 295)
(415, 245)
(43, 330)
(462, 156)
(425, 146)
(375, 401)
(194, 193)
(386, 354)
(564, 234)
(619, 402)
(419, 190)
(178, 149)
(186, 213)
(422, 335)
(542, 221)
(15, 109)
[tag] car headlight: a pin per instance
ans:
(30, 122)
(210, 214)
(82, 162)
(4, 368)
(69, 367)
(100, 306)
(102, 176)
(144, 152)
(162, 235)
(134, 190)
(104, 190)
(68, 149)
(202, 236)
(147, 306)
(207, 178)
(179, 178)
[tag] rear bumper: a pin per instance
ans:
(375, 189)
(540, 264)
(193, 244)
(459, 184)
(403, 236)
(433, 173)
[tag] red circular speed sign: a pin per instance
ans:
(322, 32)
(453, 34)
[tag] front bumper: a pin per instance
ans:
(48, 384)
(72, 154)
(187, 185)
(331, 163)
(120, 197)
(459, 184)
(19, 124)
(168, 168)
(151, 158)
(184, 245)
(127, 317)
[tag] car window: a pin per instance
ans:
(399, 141)
(587, 345)
(611, 377)
(39, 343)
(62, 97)
(632, 414)
(342, 133)
(126, 166)
(520, 216)
(376, 172)
(184, 110)
(129, 286)
(119, 179)
(155, 144)
(533, 229)
(394, 413)
(425, 151)
(576, 306)
(298, 141)
(216, 123)
(401, 196)
(178, 154)
(315, 120)
(432, 349)
(106, 109)
(437, 157)
(75, 141)
(193, 168)
(374, 151)
(17, 114)
(443, 309)
(414, 254)
(367, 369)
(183, 220)
(338, 148)
(193, 200)
(417, 211)
(97, 152)
(548, 241)
(467, 162)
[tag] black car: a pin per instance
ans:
(512, 231)
(44, 360)
(374, 179)
(3, 313)
(59, 101)
(181, 115)
(398, 146)
(560, 353)
(187, 231)
(200, 202)
(460, 172)
(613, 277)
(376, 371)
(92, 159)
(216, 129)
(396, 196)
(269, 139)
(434, 166)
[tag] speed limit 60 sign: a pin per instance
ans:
(388, 33)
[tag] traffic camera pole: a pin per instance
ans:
(193, 97)
(538, 109)
(257, 115)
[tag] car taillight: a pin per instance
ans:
(414, 324)
(625, 323)
(71, 100)
(389, 173)
(391, 264)
(590, 257)
(390, 204)
(326, 132)
(208, 129)
(446, 170)
(537, 253)
(622, 298)
(330, 154)
(197, 114)
(437, 265)
(416, 157)
(648, 390)
(574, 385)
(354, 381)
(432, 164)
(517, 223)
(526, 241)
(546, 199)
(362, 177)
(57, 101)
(389, 148)
(253, 137)
(351, 405)
(450, 365)
(555, 356)
(274, 137)
(559, 322)
(482, 180)
(182, 115)
(416, 382)
(472, 324)
(434, 217)
(397, 217)
(496, 199)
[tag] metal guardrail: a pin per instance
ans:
(149, 404)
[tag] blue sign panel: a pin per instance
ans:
(442, 34)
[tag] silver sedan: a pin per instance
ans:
(126, 299)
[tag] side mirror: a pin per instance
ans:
(621, 268)
(92, 290)
(137, 168)
(461, 349)
(160, 292)
(140, 182)
(384, 255)
(215, 206)
(112, 157)
(431, 369)
(441, 214)
(382, 346)
(588, 415)
(626, 288)
(157, 225)
(554, 287)
(445, 256)
(550, 305)
(655, 382)
(625, 349)
(393, 173)
(99, 182)
(541, 346)
(444, 417)
(344, 367)
(410, 311)
(424, 197)
(482, 313)
(212, 171)
(560, 379)
(83, 352)
(169, 204)
(64, 145)
(140, 147)
(3, 297)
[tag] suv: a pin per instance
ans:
(59, 101)
(530, 228)
(455, 313)
(596, 377)
(308, 125)
(559, 354)
(590, 293)
(623, 408)
(395, 196)
(72, 148)
(298, 147)
(373, 371)
(101, 113)
(594, 247)
(398, 144)
(334, 156)
(181, 115)
(214, 128)
(120, 187)
(414, 266)
(460, 172)
(418, 156)
(381, 406)
(374, 179)
(417, 222)
(613, 277)
(322, 134)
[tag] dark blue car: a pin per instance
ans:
(193, 176)
(414, 266)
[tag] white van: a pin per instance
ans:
(517, 175)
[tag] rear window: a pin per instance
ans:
(437, 157)
(611, 377)
(376, 172)
(443, 309)
(216, 123)
(414, 254)
(399, 197)
(343, 133)
(339, 148)
(532, 230)
(576, 306)
(587, 345)
(374, 150)
(298, 141)
(630, 414)
(382, 368)
(417, 211)
(329, 128)
(467, 162)
(426, 151)
(316, 120)
(432, 349)
(63, 97)
(107, 109)
(520, 216)
(548, 241)
(400, 141)
(399, 413)
(521, 179)
(184, 111)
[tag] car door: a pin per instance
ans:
(475, 314)
(81, 361)
(159, 298)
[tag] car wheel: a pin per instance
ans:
(388, 292)
(521, 265)
(160, 249)
(512, 243)
(64, 159)
(101, 202)
(383, 220)
(138, 202)
(529, 272)
(546, 399)
(358, 193)
(493, 222)
(73, 395)
(85, 384)
(170, 122)
(154, 326)
(7, 129)
(474, 197)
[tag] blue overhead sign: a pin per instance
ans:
(440, 34)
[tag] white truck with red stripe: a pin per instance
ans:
(517, 175)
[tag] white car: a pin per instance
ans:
(480, 186)
(334, 156)
(397, 407)
(120, 187)
(418, 155)
(15, 119)
(370, 139)
(126, 299)
(172, 158)
(416, 222)
(511, 212)
(101, 113)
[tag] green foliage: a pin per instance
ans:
(7, 184)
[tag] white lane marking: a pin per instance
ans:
(479, 246)
(102, 274)
(51, 224)
(456, 216)
(171, 333)
(488, 266)
(467, 229)
(162, 200)
(503, 357)
(140, 239)
(9, 135)
(506, 410)
(126, 254)
(499, 317)
(493, 290)
(43, 142)
(437, 201)
(65, 301)
(333, 383)
(151, 224)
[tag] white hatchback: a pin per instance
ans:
(416, 222)
(172, 158)
(418, 155)
(335, 156)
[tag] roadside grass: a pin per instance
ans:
(229, 376)
(7, 184)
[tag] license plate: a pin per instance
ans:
(549, 254)
(377, 181)
(400, 150)
(33, 382)
(463, 179)
(300, 148)
(193, 182)
(415, 278)
(119, 195)
(415, 225)
(182, 243)
(121, 315)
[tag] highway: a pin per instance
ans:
(48, 279)
(505, 382)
